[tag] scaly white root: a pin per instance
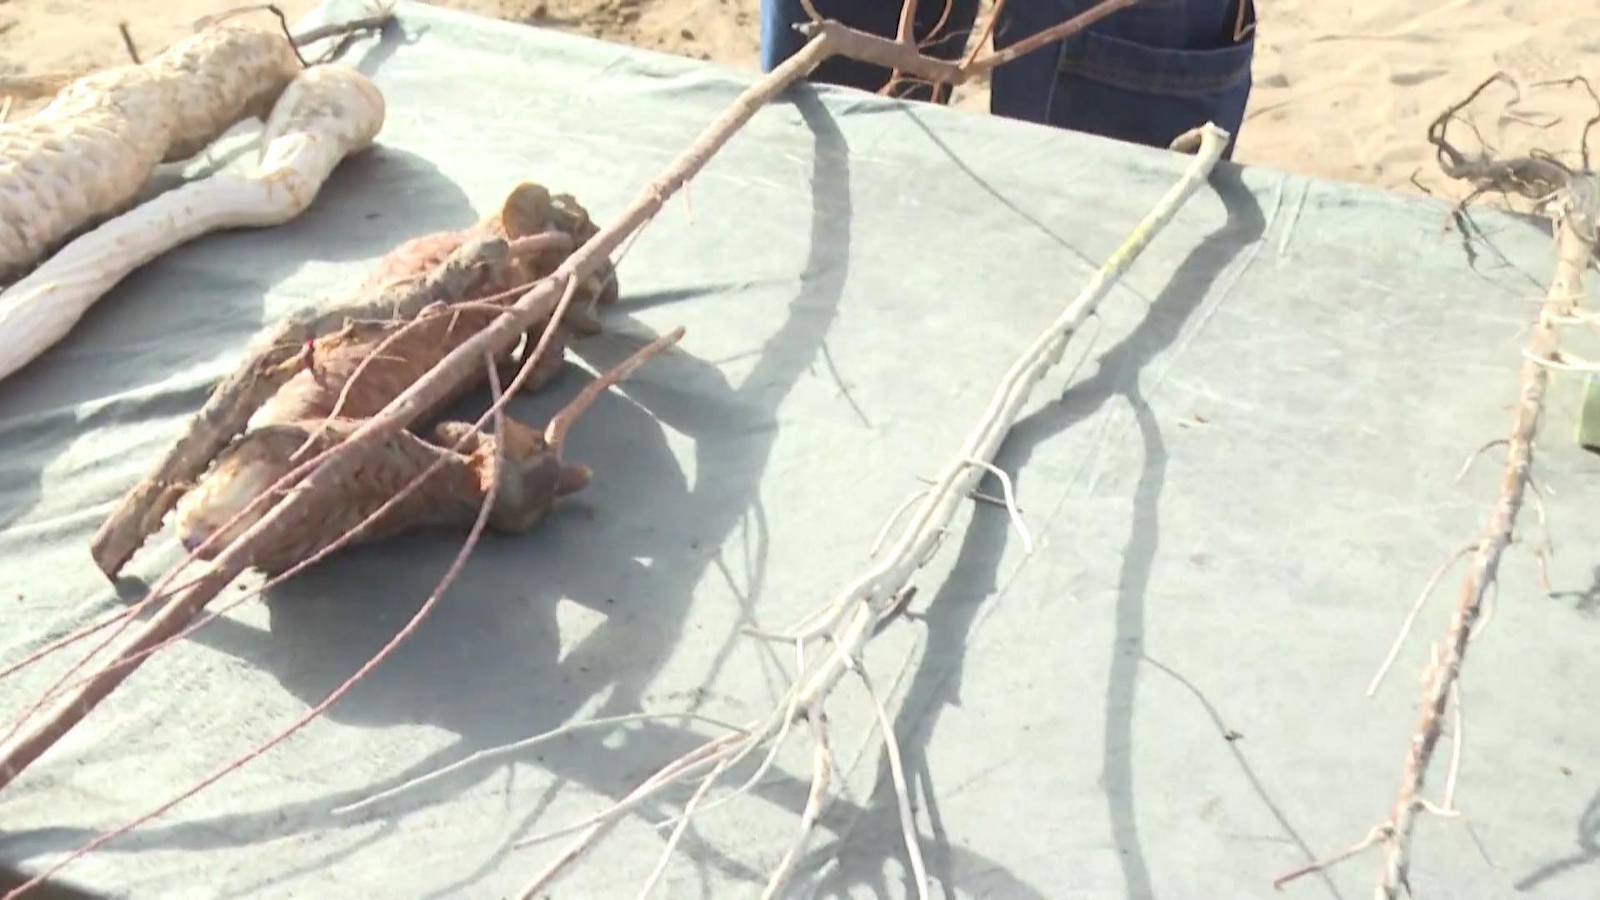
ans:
(89, 153)
(326, 114)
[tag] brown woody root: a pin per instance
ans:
(440, 268)
(549, 300)
(454, 482)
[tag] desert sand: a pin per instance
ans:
(1343, 90)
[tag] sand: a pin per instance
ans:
(1344, 90)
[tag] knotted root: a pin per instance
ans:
(455, 471)
(525, 239)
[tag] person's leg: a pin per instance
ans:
(779, 40)
(1144, 74)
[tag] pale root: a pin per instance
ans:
(86, 156)
(326, 114)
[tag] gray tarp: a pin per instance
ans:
(1234, 502)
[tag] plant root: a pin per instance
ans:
(525, 471)
(1575, 209)
(418, 274)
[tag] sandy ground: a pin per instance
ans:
(1344, 89)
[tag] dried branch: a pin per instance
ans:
(986, 34)
(1566, 294)
(127, 43)
(858, 611)
(821, 766)
(906, 58)
(853, 617)
(891, 747)
(1575, 203)
(377, 658)
(494, 753)
(322, 474)
(1411, 617)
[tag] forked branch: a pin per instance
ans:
(845, 625)
(854, 616)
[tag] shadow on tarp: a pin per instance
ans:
(856, 861)
(1586, 855)
(488, 666)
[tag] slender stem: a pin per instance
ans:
(1046, 37)
(504, 750)
(908, 21)
(424, 394)
(1573, 250)
(377, 659)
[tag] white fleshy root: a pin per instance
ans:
(326, 114)
(89, 153)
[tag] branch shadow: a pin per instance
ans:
(1587, 853)
(1586, 601)
(492, 664)
(951, 615)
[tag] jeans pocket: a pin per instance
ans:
(1144, 94)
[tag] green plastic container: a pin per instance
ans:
(1589, 414)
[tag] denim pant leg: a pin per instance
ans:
(1144, 74)
(779, 40)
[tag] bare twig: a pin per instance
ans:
(891, 748)
(311, 714)
(821, 766)
(984, 37)
(1046, 37)
(1458, 737)
(127, 42)
(892, 55)
(1466, 465)
(1566, 292)
(905, 37)
(682, 826)
(1411, 617)
(1378, 833)
(68, 640)
(1010, 501)
(853, 617)
(512, 749)
(894, 518)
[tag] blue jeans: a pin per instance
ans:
(1144, 74)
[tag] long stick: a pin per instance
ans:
(456, 367)
(484, 509)
(427, 392)
(1564, 297)
(905, 58)
(855, 614)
